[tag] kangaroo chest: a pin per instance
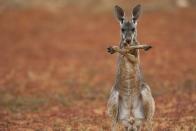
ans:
(128, 77)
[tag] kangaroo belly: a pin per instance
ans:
(130, 106)
(137, 109)
(130, 103)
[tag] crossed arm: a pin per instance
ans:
(125, 51)
(114, 49)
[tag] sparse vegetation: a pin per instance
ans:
(55, 73)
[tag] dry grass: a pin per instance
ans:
(55, 73)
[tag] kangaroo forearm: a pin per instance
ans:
(125, 52)
(145, 47)
(131, 58)
(121, 51)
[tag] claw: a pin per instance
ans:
(147, 48)
(110, 50)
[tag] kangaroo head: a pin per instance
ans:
(128, 27)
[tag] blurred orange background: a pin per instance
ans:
(56, 74)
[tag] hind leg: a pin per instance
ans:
(113, 126)
(149, 125)
(148, 105)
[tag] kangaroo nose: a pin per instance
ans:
(128, 40)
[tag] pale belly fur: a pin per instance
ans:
(130, 103)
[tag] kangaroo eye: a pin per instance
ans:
(133, 29)
(123, 30)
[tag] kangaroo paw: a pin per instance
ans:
(110, 50)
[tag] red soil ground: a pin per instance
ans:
(55, 73)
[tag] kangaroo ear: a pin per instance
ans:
(136, 12)
(119, 13)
